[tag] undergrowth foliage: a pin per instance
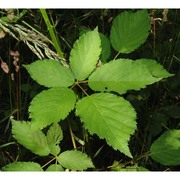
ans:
(101, 106)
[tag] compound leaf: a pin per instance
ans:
(85, 54)
(50, 73)
(22, 166)
(129, 30)
(125, 74)
(51, 106)
(35, 141)
(75, 160)
(166, 149)
(110, 117)
(54, 136)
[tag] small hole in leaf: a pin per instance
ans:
(106, 88)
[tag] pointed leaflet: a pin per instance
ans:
(50, 73)
(110, 117)
(155, 69)
(105, 44)
(129, 30)
(54, 136)
(22, 166)
(51, 106)
(35, 141)
(75, 160)
(125, 74)
(85, 54)
(166, 149)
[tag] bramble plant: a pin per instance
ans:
(103, 110)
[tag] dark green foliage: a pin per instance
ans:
(157, 106)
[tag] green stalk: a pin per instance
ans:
(52, 34)
(7, 144)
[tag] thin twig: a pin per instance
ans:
(83, 90)
(72, 136)
(116, 55)
(49, 162)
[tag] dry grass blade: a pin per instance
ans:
(36, 42)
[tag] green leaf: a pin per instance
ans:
(120, 167)
(166, 149)
(54, 136)
(156, 70)
(22, 166)
(172, 111)
(110, 117)
(50, 73)
(35, 141)
(75, 160)
(55, 167)
(129, 30)
(85, 54)
(157, 121)
(106, 48)
(125, 74)
(105, 44)
(54, 149)
(51, 106)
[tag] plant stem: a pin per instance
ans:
(72, 136)
(7, 144)
(116, 55)
(52, 34)
(48, 162)
(82, 89)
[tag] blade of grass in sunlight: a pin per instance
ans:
(51, 32)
